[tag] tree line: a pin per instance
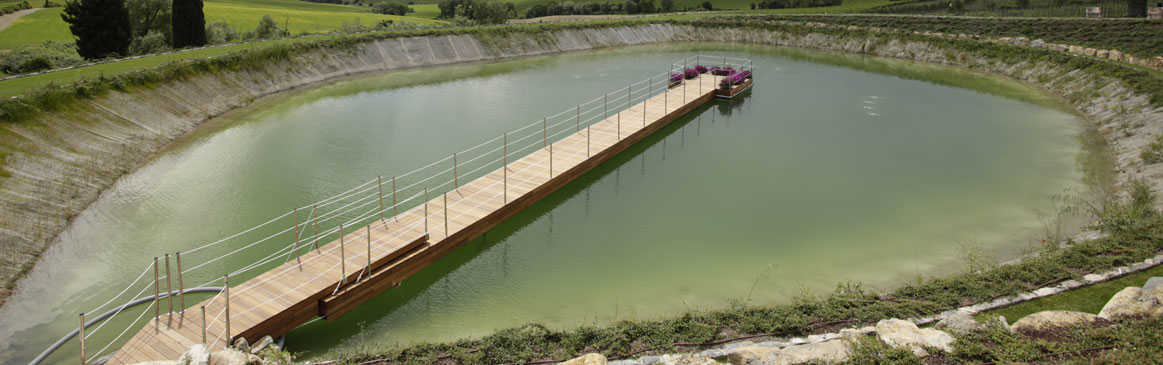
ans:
(107, 28)
(608, 7)
(788, 4)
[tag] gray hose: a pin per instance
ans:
(110, 313)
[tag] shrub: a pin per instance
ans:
(220, 32)
(391, 7)
(690, 73)
(152, 42)
(724, 71)
(266, 29)
(40, 57)
(701, 69)
(101, 27)
(675, 78)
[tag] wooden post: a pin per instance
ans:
(446, 215)
(82, 337)
(169, 286)
(342, 257)
(297, 258)
(181, 286)
(455, 174)
(505, 169)
(380, 186)
(203, 325)
(156, 294)
(226, 286)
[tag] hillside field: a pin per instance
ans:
(299, 16)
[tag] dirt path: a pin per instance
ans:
(6, 20)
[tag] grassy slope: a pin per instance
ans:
(1089, 299)
(429, 11)
(302, 16)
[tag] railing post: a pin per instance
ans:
(342, 257)
(505, 170)
(425, 210)
(666, 99)
(394, 203)
(550, 161)
(203, 325)
(589, 131)
(578, 117)
(605, 110)
(295, 212)
(314, 228)
(380, 188)
(445, 214)
(82, 337)
(684, 81)
(181, 286)
(156, 295)
(369, 250)
(455, 173)
(544, 132)
(169, 287)
(226, 287)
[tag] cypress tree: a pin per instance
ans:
(1137, 8)
(189, 23)
(100, 26)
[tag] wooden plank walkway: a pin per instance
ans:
(337, 277)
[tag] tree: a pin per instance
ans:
(391, 7)
(1137, 8)
(707, 5)
(101, 27)
(149, 15)
(189, 24)
(667, 5)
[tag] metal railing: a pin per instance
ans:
(288, 236)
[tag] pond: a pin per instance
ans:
(834, 168)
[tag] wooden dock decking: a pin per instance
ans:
(338, 276)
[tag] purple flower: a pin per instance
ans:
(675, 78)
(691, 73)
(701, 69)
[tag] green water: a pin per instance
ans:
(834, 168)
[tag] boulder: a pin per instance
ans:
(693, 360)
(1126, 303)
(240, 344)
(1152, 290)
(959, 322)
(901, 334)
(587, 359)
(1054, 318)
(262, 344)
(228, 357)
(834, 351)
(195, 355)
(167, 362)
(1038, 43)
(1102, 53)
(753, 355)
(1116, 55)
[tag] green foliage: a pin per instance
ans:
(479, 11)
(267, 29)
(391, 7)
(220, 32)
(868, 350)
(189, 24)
(101, 27)
(787, 4)
(147, 16)
(152, 42)
(1154, 152)
(37, 58)
(1131, 216)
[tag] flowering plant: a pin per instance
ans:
(675, 78)
(691, 73)
(701, 69)
(724, 71)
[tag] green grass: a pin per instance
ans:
(1089, 299)
(36, 28)
(429, 11)
(300, 16)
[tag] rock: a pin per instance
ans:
(262, 344)
(834, 351)
(1102, 53)
(1092, 278)
(1089, 52)
(228, 357)
(647, 360)
(693, 360)
(253, 359)
(1126, 303)
(752, 355)
(195, 355)
(900, 333)
(587, 359)
(1053, 318)
(240, 344)
(1152, 290)
(1038, 43)
(1116, 55)
(1001, 321)
(959, 322)
(168, 362)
